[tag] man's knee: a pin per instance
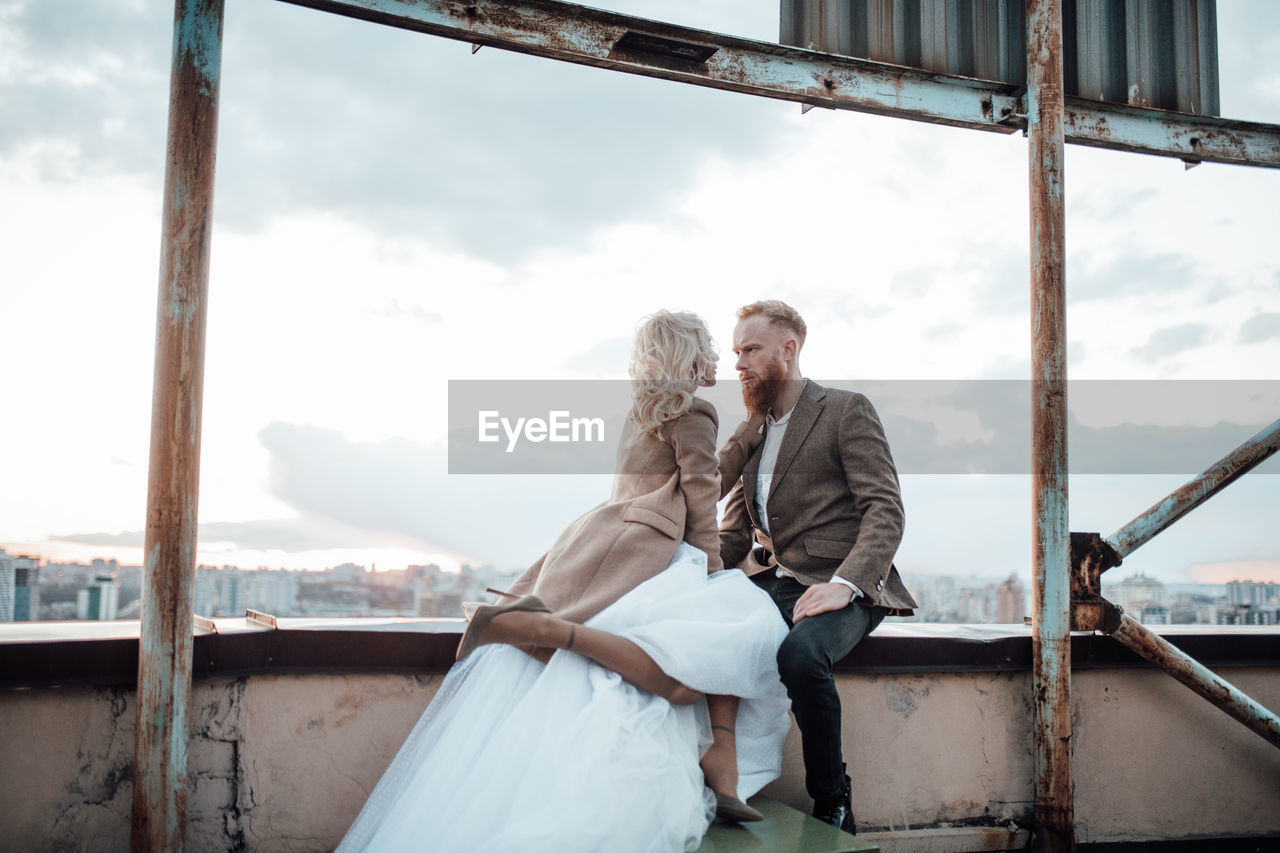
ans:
(800, 661)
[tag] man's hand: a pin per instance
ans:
(820, 598)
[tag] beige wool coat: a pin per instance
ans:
(665, 491)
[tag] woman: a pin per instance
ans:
(574, 719)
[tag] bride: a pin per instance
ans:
(628, 692)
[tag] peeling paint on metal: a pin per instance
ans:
(197, 42)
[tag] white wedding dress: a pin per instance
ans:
(513, 754)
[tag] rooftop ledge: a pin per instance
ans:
(34, 654)
(290, 727)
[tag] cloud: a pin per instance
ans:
(1104, 204)
(1005, 277)
(392, 493)
(943, 331)
(395, 310)
(1132, 274)
(87, 93)
(914, 283)
(605, 359)
(1260, 327)
(401, 489)
(496, 154)
(1172, 340)
(1076, 353)
(284, 534)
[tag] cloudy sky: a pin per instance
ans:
(393, 213)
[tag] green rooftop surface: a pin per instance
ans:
(783, 830)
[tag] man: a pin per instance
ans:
(815, 520)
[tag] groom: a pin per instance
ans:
(815, 521)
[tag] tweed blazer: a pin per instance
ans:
(834, 507)
(665, 491)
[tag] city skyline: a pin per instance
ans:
(491, 228)
(106, 590)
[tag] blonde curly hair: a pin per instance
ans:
(672, 350)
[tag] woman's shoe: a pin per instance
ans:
(485, 613)
(731, 808)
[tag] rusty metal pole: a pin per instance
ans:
(165, 644)
(1051, 624)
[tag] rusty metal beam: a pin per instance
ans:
(1051, 622)
(1192, 138)
(166, 642)
(578, 34)
(1194, 492)
(586, 36)
(1199, 678)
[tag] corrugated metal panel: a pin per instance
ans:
(1156, 53)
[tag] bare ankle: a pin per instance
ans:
(720, 762)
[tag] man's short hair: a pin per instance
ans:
(780, 314)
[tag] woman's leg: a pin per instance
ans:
(524, 629)
(720, 763)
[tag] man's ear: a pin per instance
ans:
(790, 348)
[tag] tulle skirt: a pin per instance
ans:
(513, 754)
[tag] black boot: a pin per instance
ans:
(837, 811)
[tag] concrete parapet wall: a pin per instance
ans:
(283, 762)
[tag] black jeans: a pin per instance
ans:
(805, 660)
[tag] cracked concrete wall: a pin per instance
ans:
(275, 763)
(1154, 760)
(1151, 759)
(284, 762)
(929, 749)
(315, 747)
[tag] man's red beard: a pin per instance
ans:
(761, 394)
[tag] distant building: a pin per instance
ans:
(976, 605)
(1154, 614)
(946, 599)
(1136, 593)
(1247, 614)
(26, 589)
(274, 592)
(229, 591)
(7, 584)
(229, 586)
(1253, 593)
(101, 601)
(347, 573)
(1011, 600)
(206, 594)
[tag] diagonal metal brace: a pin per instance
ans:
(1159, 651)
